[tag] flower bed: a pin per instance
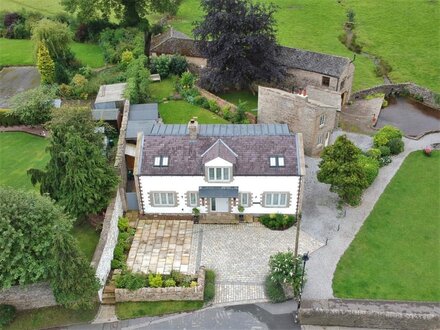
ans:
(164, 293)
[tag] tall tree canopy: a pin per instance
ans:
(78, 175)
(36, 246)
(54, 35)
(238, 38)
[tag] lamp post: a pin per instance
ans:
(305, 258)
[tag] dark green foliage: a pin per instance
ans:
(178, 65)
(242, 45)
(178, 277)
(240, 114)
(161, 65)
(277, 221)
(115, 41)
(274, 290)
(341, 169)
(131, 281)
(396, 146)
(385, 134)
(384, 161)
(7, 314)
(370, 166)
(123, 246)
(384, 151)
(138, 80)
(34, 106)
(55, 36)
(78, 175)
(209, 291)
(7, 118)
(285, 268)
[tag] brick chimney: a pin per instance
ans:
(193, 128)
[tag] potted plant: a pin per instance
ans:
(241, 215)
(428, 151)
(196, 214)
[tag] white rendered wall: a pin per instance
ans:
(250, 184)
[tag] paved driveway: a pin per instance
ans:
(240, 254)
(14, 80)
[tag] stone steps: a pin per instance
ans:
(108, 296)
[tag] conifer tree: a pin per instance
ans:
(45, 64)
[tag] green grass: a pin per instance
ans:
(396, 255)
(181, 112)
(163, 89)
(18, 153)
(411, 49)
(130, 310)
(209, 290)
(47, 7)
(50, 317)
(87, 238)
(243, 96)
(21, 52)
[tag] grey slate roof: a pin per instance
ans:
(326, 64)
(253, 152)
(137, 126)
(218, 192)
(175, 42)
(148, 111)
(105, 114)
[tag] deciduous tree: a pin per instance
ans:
(238, 38)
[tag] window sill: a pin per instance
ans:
(321, 126)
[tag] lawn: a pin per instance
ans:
(47, 7)
(181, 112)
(87, 238)
(50, 317)
(21, 52)
(130, 310)
(411, 49)
(396, 255)
(242, 96)
(162, 89)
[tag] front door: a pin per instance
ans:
(219, 204)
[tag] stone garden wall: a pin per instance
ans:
(28, 296)
(370, 314)
(164, 294)
(430, 98)
(220, 102)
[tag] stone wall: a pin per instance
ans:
(164, 294)
(413, 89)
(220, 102)
(28, 296)
(370, 314)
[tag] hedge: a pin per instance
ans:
(8, 119)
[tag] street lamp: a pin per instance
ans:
(305, 257)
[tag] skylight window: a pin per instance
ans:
(276, 161)
(161, 161)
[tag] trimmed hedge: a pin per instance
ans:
(277, 221)
(274, 290)
(7, 118)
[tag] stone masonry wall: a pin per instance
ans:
(220, 102)
(28, 296)
(164, 294)
(370, 314)
(429, 97)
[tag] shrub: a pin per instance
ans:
(123, 224)
(177, 276)
(370, 166)
(274, 290)
(396, 146)
(285, 268)
(7, 118)
(86, 71)
(7, 314)
(384, 161)
(155, 281)
(161, 65)
(193, 284)
(170, 283)
(374, 153)
(277, 221)
(126, 57)
(384, 151)
(186, 281)
(114, 41)
(185, 82)
(385, 134)
(178, 65)
(209, 291)
(213, 106)
(131, 281)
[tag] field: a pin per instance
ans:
(395, 255)
(21, 52)
(47, 7)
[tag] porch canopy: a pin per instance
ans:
(218, 192)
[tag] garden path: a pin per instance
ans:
(322, 221)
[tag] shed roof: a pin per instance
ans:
(111, 93)
(147, 111)
(105, 114)
(137, 126)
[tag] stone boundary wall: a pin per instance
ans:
(220, 102)
(164, 294)
(413, 89)
(31, 296)
(370, 314)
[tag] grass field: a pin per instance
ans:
(47, 7)
(181, 112)
(130, 310)
(242, 96)
(396, 255)
(21, 52)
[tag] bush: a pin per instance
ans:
(277, 221)
(274, 290)
(86, 71)
(155, 281)
(209, 291)
(396, 146)
(384, 151)
(370, 166)
(126, 57)
(178, 65)
(123, 224)
(213, 106)
(7, 314)
(7, 118)
(170, 283)
(384, 161)
(115, 41)
(161, 65)
(285, 268)
(186, 82)
(177, 276)
(386, 134)
(131, 281)
(374, 153)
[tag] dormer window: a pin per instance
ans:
(219, 174)
(276, 161)
(161, 161)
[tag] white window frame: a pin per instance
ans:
(320, 140)
(322, 120)
(274, 199)
(219, 174)
(277, 161)
(196, 198)
(163, 199)
(248, 201)
(161, 161)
